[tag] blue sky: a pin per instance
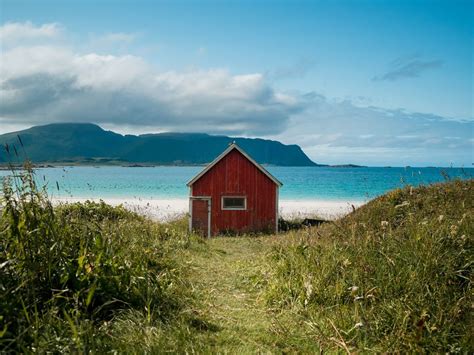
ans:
(368, 82)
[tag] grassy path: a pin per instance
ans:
(229, 278)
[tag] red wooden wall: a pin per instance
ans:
(236, 175)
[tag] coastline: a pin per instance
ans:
(168, 208)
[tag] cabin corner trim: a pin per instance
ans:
(277, 208)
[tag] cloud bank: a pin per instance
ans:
(44, 81)
(51, 83)
(341, 132)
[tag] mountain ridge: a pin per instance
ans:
(89, 143)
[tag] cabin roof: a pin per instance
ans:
(223, 154)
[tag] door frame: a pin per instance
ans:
(209, 209)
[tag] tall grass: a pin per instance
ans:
(396, 275)
(72, 276)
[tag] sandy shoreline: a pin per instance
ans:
(166, 209)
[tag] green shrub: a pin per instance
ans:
(67, 271)
(395, 275)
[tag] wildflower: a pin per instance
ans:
(353, 289)
(88, 268)
(440, 218)
(384, 224)
(453, 230)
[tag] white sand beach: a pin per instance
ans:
(327, 209)
(167, 209)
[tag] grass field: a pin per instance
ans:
(394, 276)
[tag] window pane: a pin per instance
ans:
(234, 202)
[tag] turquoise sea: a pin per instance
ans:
(299, 183)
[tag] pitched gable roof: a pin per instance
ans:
(223, 154)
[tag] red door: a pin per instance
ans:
(201, 216)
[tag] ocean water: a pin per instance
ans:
(299, 183)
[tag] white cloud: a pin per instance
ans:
(333, 131)
(51, 83)
(15, 32)
(111, 42)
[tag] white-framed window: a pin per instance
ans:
(234, 203)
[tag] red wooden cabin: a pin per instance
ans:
(233, 194)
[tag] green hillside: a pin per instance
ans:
(83, 143)
(395, 276)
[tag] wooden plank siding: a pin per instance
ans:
(235, 175)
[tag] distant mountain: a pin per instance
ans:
(88, 143)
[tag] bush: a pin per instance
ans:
(395, 275)
(67, 271)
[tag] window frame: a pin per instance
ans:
(234, 208)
